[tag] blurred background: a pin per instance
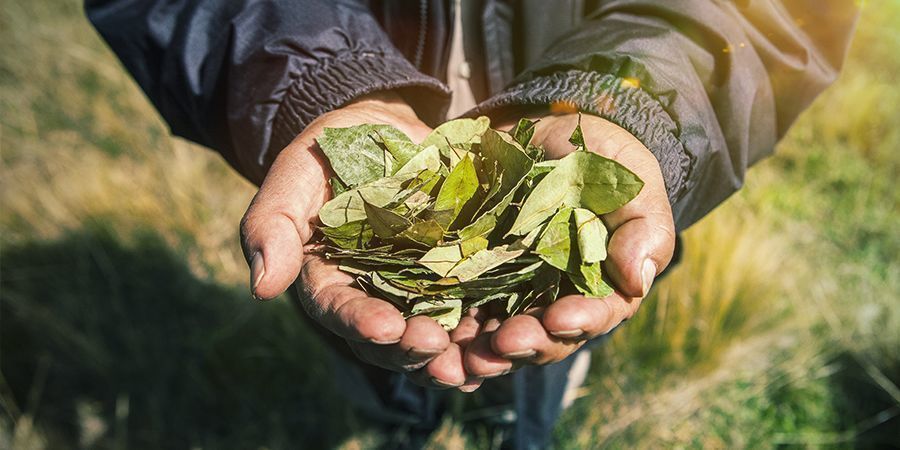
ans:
(125, 321)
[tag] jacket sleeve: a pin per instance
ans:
(244, 77)
(707, 85)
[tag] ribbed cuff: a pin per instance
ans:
(338, 81)
(615, 99)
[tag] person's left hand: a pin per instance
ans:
(641, 245)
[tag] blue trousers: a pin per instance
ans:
(532, 396)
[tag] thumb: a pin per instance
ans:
(281, 216)
(643, 231)
(639, 250)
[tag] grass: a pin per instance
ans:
(124, 320)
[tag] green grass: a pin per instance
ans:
(125, 321)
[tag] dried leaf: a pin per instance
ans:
(349, 235)
(577, 138)
(524, 131)
(591, 236)
(427, 159)
(581, 180)
(337, 186)
(383, 285)
(447, 313)
(556, 242)
(589, 282)
(384, 222)
(402, 150)
(459, 133)
(355, 154)
(442, 259)
(513, 165)
(485, 260)
(427, 232)
(458, 189)
(472, 245)
(348, 207)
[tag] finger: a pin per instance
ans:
(582, 318)
(480, 361)
(444, 371)
(643, 230)
(524, 338)
(471, 385)
(402, 357)
(281, 216)
(638, 251)
(469, 326)
(329, 298)
(467, 329)
(422, 340)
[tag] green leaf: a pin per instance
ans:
(397, 295)
(384, 222)
(337, 186)
(490, 284)
(556, 241)
(442, 259)
(402, 149)
(545, 283)
(534, 152)
(447, 313)
(459, 187)
(591, 236)
(514, 303)
(379, 261)
(427, 232)
(524, 131)
(424, 182)
(542, 168)
(589, 282)
(353, 270)
(544, 287)
(513, 165)
(349, 235)
(577, 138)
(490, 298)
(472, 245)
(427, 159)
(460, 133)
(484, 260)
(417, 202)
(511, 160)
(581, 180)
(354, 152)
(348, 206)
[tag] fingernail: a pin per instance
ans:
(520, 354)
(469, 388)
(648, 273)
(444, 383)
(568, 333)
(383, 342)
(495, 374)
(257, 272)
(423, 353)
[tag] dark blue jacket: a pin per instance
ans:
(710, 85)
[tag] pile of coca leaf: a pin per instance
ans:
(469, 216)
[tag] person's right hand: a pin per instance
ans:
(280, 221)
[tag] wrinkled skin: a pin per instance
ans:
(280, 220)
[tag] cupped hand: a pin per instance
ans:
(280, 222)
(641, 245)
